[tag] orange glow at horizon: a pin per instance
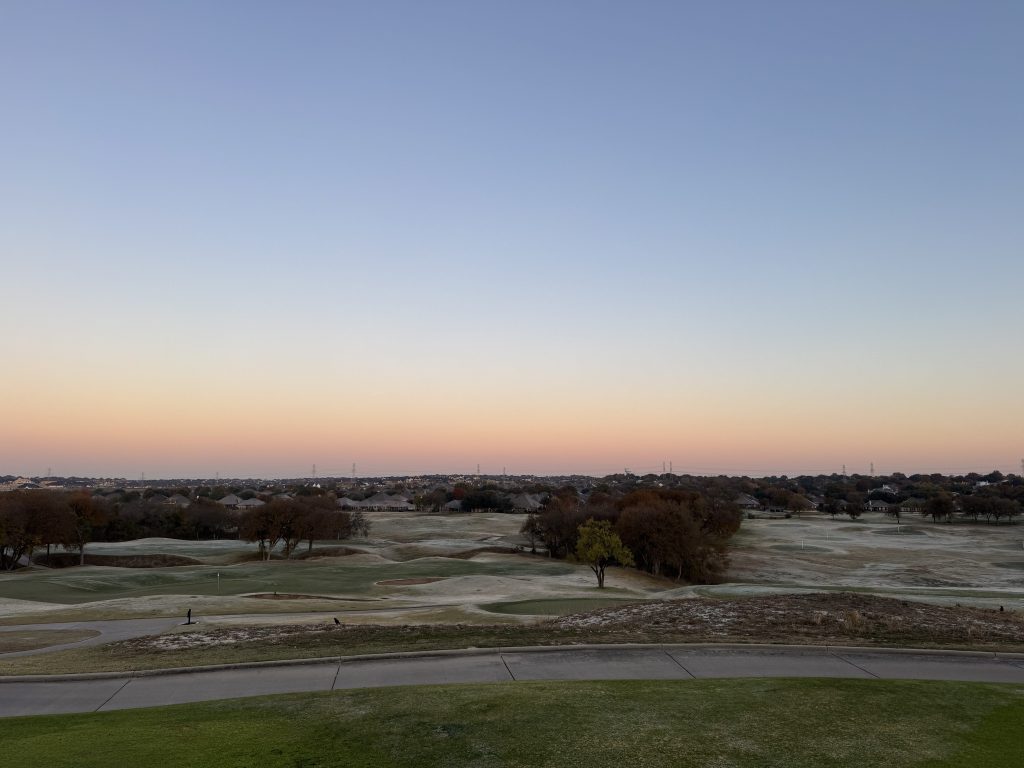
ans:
(438, 425)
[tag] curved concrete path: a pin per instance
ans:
(93, 693)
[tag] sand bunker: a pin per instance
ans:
(408, 582)
(284, 596)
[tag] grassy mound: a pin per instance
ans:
(339, 576)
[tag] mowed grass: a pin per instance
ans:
(12, 641)
(741, 723)
(334, 577)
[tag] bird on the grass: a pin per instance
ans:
(336, 620)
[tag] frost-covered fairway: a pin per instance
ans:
(423, 568)
(412, 568)
(975, 564)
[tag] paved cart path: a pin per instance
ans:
(85, 694)
(110, 631)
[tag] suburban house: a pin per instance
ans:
(746, 501)
(913, 505)
(526, 502)
(379, 501)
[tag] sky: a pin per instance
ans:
(541, 237)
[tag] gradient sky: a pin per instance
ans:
(746, 237)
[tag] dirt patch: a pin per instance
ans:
(255, 557)
(819, 618)
(408, 582)
(326, 552)
(71, 559)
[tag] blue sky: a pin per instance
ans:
(786, 206)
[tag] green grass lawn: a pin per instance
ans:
(741, 723)
(80, 585)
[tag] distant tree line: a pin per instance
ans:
(41, 520)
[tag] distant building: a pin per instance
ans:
(20, 484)
(913, 505)
(380, 502)
(525, 502)
(746, 501)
